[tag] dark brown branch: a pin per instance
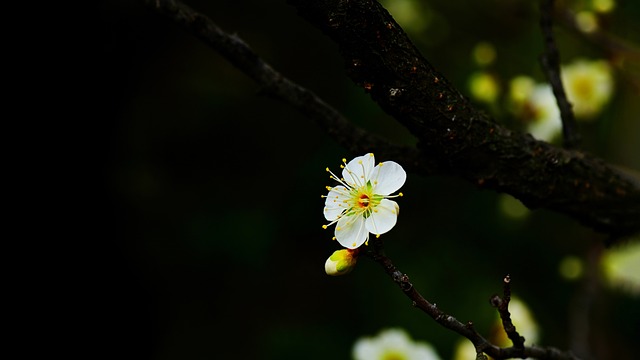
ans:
(272, 83)
(454, 137)
(551, 64)
(380, 57)
(376, 252)
(502, 304)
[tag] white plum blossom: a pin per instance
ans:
(393, 344)
(546, 123)
(360, 204)
(535, 105)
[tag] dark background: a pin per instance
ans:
(204, 238)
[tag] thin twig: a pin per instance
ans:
(551, 64)
(502, 304)
(375, 251)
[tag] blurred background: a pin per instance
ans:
(212, 213)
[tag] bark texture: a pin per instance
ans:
(462, 140)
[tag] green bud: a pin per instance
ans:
(341, 262)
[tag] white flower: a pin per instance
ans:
(546, 122)
(360, 204)
(535, 104)
(393, 344)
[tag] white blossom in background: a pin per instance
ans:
(546, 123)
(535, 105)
(589, 86)
(360, 204)
(393, 344)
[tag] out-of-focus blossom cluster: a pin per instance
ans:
(588, 85)
(393, 344)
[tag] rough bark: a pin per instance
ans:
(462, 140)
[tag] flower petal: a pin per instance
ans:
(358, 171)
(388, 177)
(383, 218)
(351, 232)
(335, 205)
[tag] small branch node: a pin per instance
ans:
(495, 301)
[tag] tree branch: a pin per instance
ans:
(502, 304)
(454, 138)
(519, 350)
(462, 140)
(273, 84)
(551, 64)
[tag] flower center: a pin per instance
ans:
(363, 202)
(583, 88)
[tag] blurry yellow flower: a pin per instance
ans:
(464, 350)
(621, 267)
(520, 89)
(571, 268)
(409, 14)
(587, 21)
(512, 207)
(589, 86)
(604, 6)
(484, 87)
(484, 53)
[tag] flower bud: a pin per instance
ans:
(341, 262)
